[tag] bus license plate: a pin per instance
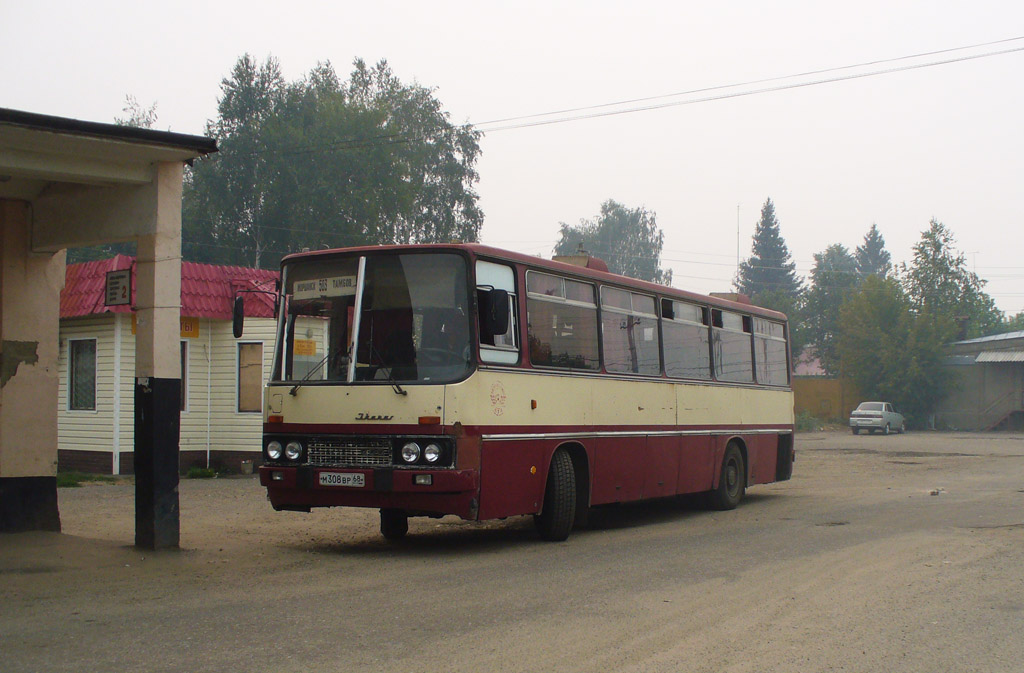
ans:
(354, 480)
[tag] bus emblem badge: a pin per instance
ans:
(498, 398)
(362, 416)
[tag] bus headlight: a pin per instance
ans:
(293, 450)
(411, 452)
(432, 453)
(274, 449)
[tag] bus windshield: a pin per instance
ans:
(410, 323)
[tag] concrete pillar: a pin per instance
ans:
(158, 367)
(30, 285)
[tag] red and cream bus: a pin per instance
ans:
(461, 379)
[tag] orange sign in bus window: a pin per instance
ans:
(306, 347)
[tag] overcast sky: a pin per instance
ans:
(896, 149)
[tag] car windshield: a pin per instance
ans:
(870, 406)
(412, 323)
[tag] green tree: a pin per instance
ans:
(872, 257)
(1014, 324)
(938, 283)
(769, 268)
(136, 115)
(891, 351)
(834, 278)
(225, 217)
(325, 163)
(627, 239)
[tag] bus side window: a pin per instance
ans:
(496, 313)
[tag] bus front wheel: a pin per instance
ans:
(732, 483)
(394, 524)
(555, 521)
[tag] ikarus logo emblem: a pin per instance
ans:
(363, 416)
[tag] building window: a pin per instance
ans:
(82, 374)
(250, 377)
(184, 375)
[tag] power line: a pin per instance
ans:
(753, 92)
(602, 110)
(769, 79)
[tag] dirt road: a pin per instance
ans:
(900, 553)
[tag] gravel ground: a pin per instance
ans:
(900, 553)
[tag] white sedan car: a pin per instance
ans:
(872, 416)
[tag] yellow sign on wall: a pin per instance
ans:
(189, 327)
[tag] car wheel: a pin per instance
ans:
(855, 431)
(885, 431)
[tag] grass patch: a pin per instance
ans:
(76, 479)
(805, 422)
(201, 473)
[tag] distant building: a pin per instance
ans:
(988, 388)
(222, 377)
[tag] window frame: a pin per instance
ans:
(95, 375)
(491, 354)
(704, 324)
(762, 330)
(747, 329)
(631, 313)
(561, 299)
(238, 375)
(185, 356)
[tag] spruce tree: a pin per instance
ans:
(872, 257)
(770, 268)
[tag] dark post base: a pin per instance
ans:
(157, 422)
(28, 503)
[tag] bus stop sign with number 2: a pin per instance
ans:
(119, 288)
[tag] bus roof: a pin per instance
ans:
(540, 263)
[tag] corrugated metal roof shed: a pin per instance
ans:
(1001, 356)
(995, 337)
(207, 290)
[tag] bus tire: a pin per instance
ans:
(394, 524)
(733, 481)
(555, 521)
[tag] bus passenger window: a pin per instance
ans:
(629, 332)
(561, 322)
(687, 354)
(731, 337)
(496, 304)
(770, 352)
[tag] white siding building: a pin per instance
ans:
(222, 377)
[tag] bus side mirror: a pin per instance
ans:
(237, 316)
(494, 313)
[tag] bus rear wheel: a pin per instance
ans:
(555, 521)
(733, 482)
(394, 524)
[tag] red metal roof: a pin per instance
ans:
(207, 290)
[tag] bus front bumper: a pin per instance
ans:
(430, 492)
